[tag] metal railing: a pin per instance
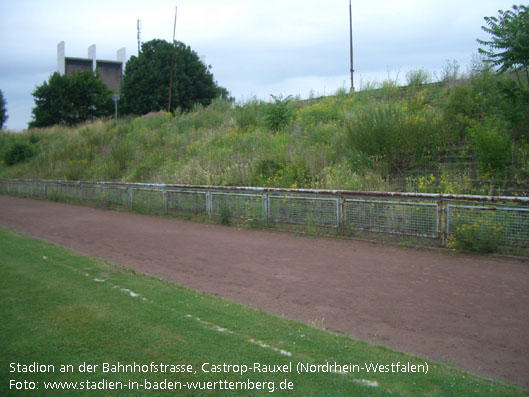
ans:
(436, 217)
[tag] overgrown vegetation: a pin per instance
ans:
(480, 235)
(466, 134)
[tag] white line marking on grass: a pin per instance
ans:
(250, 340)
(218, 328)
(366, 382)
(128, 291)
(262, 344)
(371, 383)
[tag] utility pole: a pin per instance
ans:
(138, 26)
(351, 44)
(172, 62)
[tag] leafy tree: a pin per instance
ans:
(3, 111)
(147, 77)
(71, 99)
(509, 45)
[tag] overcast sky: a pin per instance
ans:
(255, 47)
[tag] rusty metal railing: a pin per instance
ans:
(430, 216)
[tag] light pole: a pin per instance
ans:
(351, 44)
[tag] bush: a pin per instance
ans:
(18, 153)
(278, 114)
(225, 215)
(458, 111)
(418, 77)
(264, 172)
(480, 235)
(272, 173)
(492, 145)
(387, 133)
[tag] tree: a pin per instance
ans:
(147, 77)
(71, 99)
(3, 111)
(509, 46)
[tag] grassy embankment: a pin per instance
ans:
(61, 308)
(459, 136)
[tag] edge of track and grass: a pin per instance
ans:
(62, 311)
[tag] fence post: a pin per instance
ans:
(341, 214)
(264, 199)
(442, 216)
(267, 206)
(165, 203)
(131, 198)
(209, 203)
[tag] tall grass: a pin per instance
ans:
(372, 139)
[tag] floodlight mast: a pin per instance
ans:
(351, 44)
(172, 62)
(138, 26)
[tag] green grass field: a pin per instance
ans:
(62, 310)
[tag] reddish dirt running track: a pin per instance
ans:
(469, 310)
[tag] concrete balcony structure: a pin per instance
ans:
(110, 72)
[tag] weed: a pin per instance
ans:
(418, 77)
(480, 235)
(54, 196)
(225, 215)
(492, 145)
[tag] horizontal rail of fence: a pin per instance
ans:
(432, 216)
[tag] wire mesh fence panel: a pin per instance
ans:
(54, 191)
(146, 201)
(509, 226)
(467, 219)
(412, 218)
(93, 194)
(240, 205)
(71, 192)
(39, 189)
(23, 189)
(237, 205)
(4, 187)
(304, 210)
(187, 201)
(116, 196)
(36, 189)
(12, 187)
